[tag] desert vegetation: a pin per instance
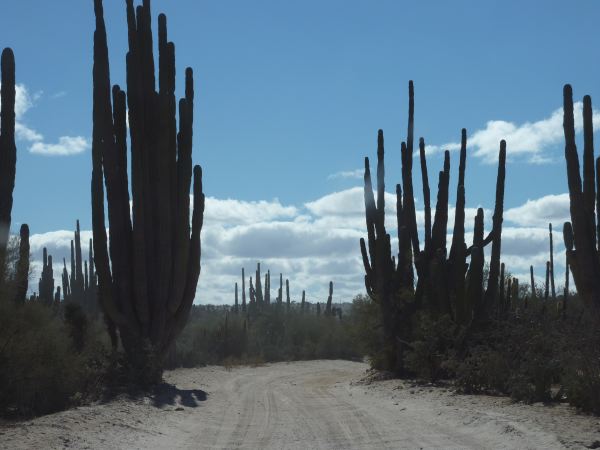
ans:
(443, 314)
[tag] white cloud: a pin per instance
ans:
(235, 212)
(542, 211)
(66, 145)
(529, 141)
(353, 174)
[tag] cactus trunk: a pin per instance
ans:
(149, 270)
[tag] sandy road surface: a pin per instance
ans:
(303, 405)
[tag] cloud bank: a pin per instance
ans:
(318, 241)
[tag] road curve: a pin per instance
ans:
(300, 405)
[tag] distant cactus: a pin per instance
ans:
(303, 303)
(243, 291)
(236, 305)
(280, 291)
(533, 293)
(287, 294)
(46, 284)
(328, 311)
(553, 289)
(81, 285)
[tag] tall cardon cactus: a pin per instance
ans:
(148, 271)
(8, 150)
(582, 234)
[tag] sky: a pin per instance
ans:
(289, 98)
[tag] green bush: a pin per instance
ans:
(214, 335)
(40, 370)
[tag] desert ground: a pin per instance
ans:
(303, 405)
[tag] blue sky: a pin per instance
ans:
(291, 94)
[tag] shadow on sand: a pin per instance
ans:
(168, 394)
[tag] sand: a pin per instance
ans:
(303, 405)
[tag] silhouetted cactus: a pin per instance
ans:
(328, 311)
(553, 289)
(547, 287)
(149, 270)
(533, 293)
(581, 234)
(8, 150)
(268, 287)
(243, 291)
(258, 289)
(288, 302)
(236, 306)
(22, 270)
(280, 290)
(46, 284)
(303, 302)
(80, 286)
(443, 283)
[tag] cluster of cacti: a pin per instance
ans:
(446, 284)
(81, 285)
(582, 234)
(148, 272)
(259, 299)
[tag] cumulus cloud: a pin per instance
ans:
(235, 212)
(66, 145)
(542, 211)
(529, 142)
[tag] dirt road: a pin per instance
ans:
(303, 405)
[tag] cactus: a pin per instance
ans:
(288, 302)
(566, 289)
(46, 284)
(442, 284)
(303, 302)
(553, 290)
(280, 291)
(8, 150)
(328, 311)
(57, 297)
(581, 234)
(491, 293)
(252, 293)
(258, 289)
(236, 306)
(22, 272)
(243, 291)
(81, 285)
(149, 270)
(533, 293)
(268, 287)
(547, 287)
